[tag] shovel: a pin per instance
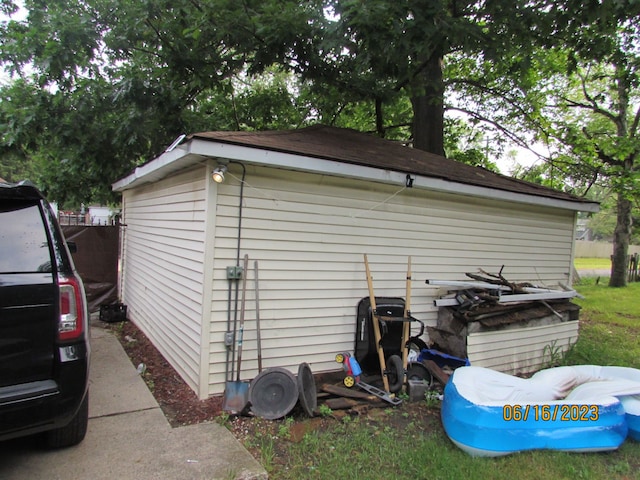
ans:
(236, 393)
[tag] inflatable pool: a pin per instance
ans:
(580, 408)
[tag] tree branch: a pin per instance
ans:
(592, 182)
(196, 5)
(502, 94)
(634, 126)
(593, 107)
(510, 134)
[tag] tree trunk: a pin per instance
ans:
(621, 238)
(379, 118)
(427, 99)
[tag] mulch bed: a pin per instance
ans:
(177, 400)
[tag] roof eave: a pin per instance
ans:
(158, 168)
(195, 150)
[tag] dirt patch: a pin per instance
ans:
(292, 429)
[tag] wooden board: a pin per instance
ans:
(347, 392)
(342, 403)
(436, 371)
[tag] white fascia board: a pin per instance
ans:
(197, 149)
(495, 194)
(331, 167)
(158, 168)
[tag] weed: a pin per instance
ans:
(555, 354)
(267, 451)
(284, 430)
(325, 411)
(232, 474)
(149, 381)
(432, 399)
(117, 328)
(223, 419)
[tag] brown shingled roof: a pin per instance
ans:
(350, 146)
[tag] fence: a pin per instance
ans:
(96, 260)
(634, 274)
(73, 219)
(586, 249)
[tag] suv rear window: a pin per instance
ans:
(24, 247)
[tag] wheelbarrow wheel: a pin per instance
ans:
(395, 373)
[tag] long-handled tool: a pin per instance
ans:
(376, 327)
(406, 326)
(258, 334)
(394, 368)
(236, 393)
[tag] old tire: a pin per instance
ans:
(72, 433)
(395, 373)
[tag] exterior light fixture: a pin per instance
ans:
(409, 181)
(218, 174)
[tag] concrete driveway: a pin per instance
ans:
(129, 436)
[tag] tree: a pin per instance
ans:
(378, 49)
(576, 92)
(160, 68)
(591, 117)
(19, 105)
(157, 69)
(609, 139)
(603, 223)
(108, 83)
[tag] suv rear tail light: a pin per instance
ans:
(71, 323)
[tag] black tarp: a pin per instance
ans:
(96, 261)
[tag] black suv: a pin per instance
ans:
(44, 334)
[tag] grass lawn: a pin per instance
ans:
(592, 263)
(609, 327)
(408, 442)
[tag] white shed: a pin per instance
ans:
(307, 204)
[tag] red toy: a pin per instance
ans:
(351, 368)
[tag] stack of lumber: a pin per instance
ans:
(486, 293)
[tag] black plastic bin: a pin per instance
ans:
(113, 313)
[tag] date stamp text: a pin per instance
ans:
(550, 413)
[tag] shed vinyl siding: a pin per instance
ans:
(309, 233)
(522, 350)
(163, 251)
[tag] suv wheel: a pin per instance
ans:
(74, 432)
